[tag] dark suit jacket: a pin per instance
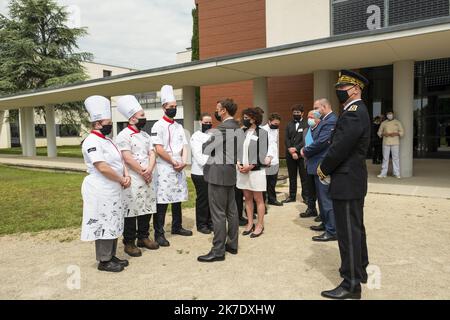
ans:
(293, 138)
(321, 135)
(221, 166)
(257, 150)
(345, 160)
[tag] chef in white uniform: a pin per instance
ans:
(137, 150)
(170, 144)
(102, 189)
(198, 139)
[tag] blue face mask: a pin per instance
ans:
(317, 114)
(311, 122)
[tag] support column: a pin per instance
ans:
(27, 132)
(51, 131)
(403, 99)
(189, 108)
(260, 98)
(324, 81)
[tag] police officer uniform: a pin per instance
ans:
(345, 162)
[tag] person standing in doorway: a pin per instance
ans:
(391, 130)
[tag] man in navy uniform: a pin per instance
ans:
(345, 164)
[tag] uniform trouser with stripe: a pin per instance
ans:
(351, 234)
(105, 249)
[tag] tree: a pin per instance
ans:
(38, 50)
(195, 47)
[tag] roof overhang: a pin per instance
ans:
(418, 41)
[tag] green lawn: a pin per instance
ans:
(63, 151)
(34, 201)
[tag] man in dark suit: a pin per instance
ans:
(345, 162)
(314, 153)
(295, 163)
(220, 174)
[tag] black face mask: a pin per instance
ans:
(106, 129)
(141, 123)
(342, 96)
(273, 126)
(297, 117)
(171, 113)
(206, 127)
(247, 123)
(217, 116)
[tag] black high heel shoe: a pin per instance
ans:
(254, 235)
(246, 233)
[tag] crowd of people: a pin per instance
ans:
(234, 170)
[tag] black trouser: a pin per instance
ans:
(131, 233)
(202, 212)
(271, 184)
(160, 218)
(311, 202)
(351, 235)
(295, 166)
(239, 196)
(377, 155)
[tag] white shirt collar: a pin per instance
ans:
(327, 114)
(229, 118)
(350, 103)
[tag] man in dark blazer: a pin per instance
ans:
(314, 153)
(220, 174)
(345, 162)
(295, 163)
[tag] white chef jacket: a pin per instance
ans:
(171, 186)
(273, 144)
(198, 158)
(97, 148)
(140, 199)
(103, 208)
(170, 134)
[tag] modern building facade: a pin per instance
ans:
(235, 26)
(273, 54)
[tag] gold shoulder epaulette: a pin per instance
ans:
(353, 108)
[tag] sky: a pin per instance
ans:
(137, 34)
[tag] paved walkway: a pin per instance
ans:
(431, 176)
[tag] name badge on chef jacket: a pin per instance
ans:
(254, 138)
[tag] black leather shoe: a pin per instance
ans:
(318, 219)
(210, 257)
(124, 263)
(256, 235)
(242, 222)
(182, 232)
(341, 293)
(308, 213)
(110, 266)
(246, 233)
(320, 227)
(275, 203)
(204, 230)
(162, 241)
(230, 249)
(289, 199)
(324, 237)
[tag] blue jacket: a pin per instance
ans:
(316, 152)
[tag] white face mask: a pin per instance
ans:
(390, 116)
